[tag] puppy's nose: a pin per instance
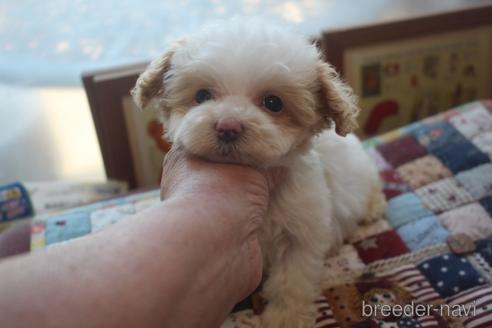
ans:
(228, 129)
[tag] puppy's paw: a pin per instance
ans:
(289, 316)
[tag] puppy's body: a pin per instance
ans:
(352, 179)
(246, 92)
(318, 206)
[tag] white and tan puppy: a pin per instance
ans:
(246, 92)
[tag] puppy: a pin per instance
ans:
(250, 93)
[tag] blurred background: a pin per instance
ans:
(46, 128)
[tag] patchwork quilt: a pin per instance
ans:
(429, 260)
(433, 250)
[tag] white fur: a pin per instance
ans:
(318, 206)
(261, 50)
(352, 179)
(331, 184)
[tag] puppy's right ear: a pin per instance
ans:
(150, 83)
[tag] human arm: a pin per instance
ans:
(183, 263)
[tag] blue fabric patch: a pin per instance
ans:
(437, 135)
(450, 274)
(405, 208)
(477, 181)
(65, 227)
(484, 248)
(422, 233)
(461, 156)
(403, 321)
(408, 322)
(450, 146)
(487, 204)
(412, 127)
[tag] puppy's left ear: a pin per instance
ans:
(338, 104)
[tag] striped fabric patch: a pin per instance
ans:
(479, 301)
(428, 322)
(325, 318)
(410, 278)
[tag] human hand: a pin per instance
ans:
(183, 262)
(237, 198)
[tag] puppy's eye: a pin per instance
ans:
(273, 103)
(203, 95)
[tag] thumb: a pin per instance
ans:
(275, 176)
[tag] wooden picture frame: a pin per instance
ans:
(108, 89)
(346, 49)
(108, 92)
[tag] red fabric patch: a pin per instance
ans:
(393, 185)
(382, 246)
(402, 150)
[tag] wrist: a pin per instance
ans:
(222, 266)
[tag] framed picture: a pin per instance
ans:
(405, 70)
(130, 140)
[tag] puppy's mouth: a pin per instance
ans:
(227, 150)
(232, 151)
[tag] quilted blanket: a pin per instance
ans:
(428, 263)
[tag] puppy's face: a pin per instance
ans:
(245, 94)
